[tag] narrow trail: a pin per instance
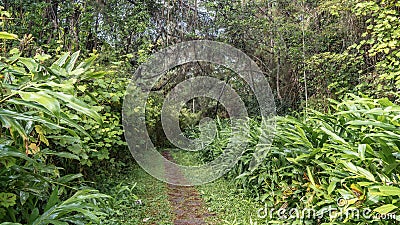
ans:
(186, 203)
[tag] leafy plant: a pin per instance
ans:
(350, 153)
(39, 118)
(381, 46)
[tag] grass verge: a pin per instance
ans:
(138, 198)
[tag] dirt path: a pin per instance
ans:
(186, 203)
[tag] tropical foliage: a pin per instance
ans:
(333, 67)
(39, 115)
(350, 153)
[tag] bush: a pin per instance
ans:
(351, 153)
(41, 118)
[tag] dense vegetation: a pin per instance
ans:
(349, 153)
(333, 66)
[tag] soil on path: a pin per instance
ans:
(186, 203)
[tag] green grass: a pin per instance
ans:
(231, 207)
(154, 207)
(223, 198)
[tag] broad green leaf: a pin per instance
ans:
(331, 187)
(61, 61)
(58, 71)
(53, 200)
(87, 63)
(30, 63)
(76, 204)
(310, 176)
(8, 151)
(34, 214)
(334, 136)
(365, 184)
(31, 105)
(303, 136)
(71, 63)
(21, 116)
(66, 120)
(366, 173)
(92, 75)
(350, 166)
(13, 124)
(64, 155)
(14, 51)
(8, 36)
(385, 209)
(9, 223)
(389, 190)
(385, 102)
(42, 57)
(69, 177)
(372, 123)
(66, 85)
(77, 72)
(77, 105)
(43, 99)
(389, 168)
(361, 151)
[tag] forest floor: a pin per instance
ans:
(155, 202)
